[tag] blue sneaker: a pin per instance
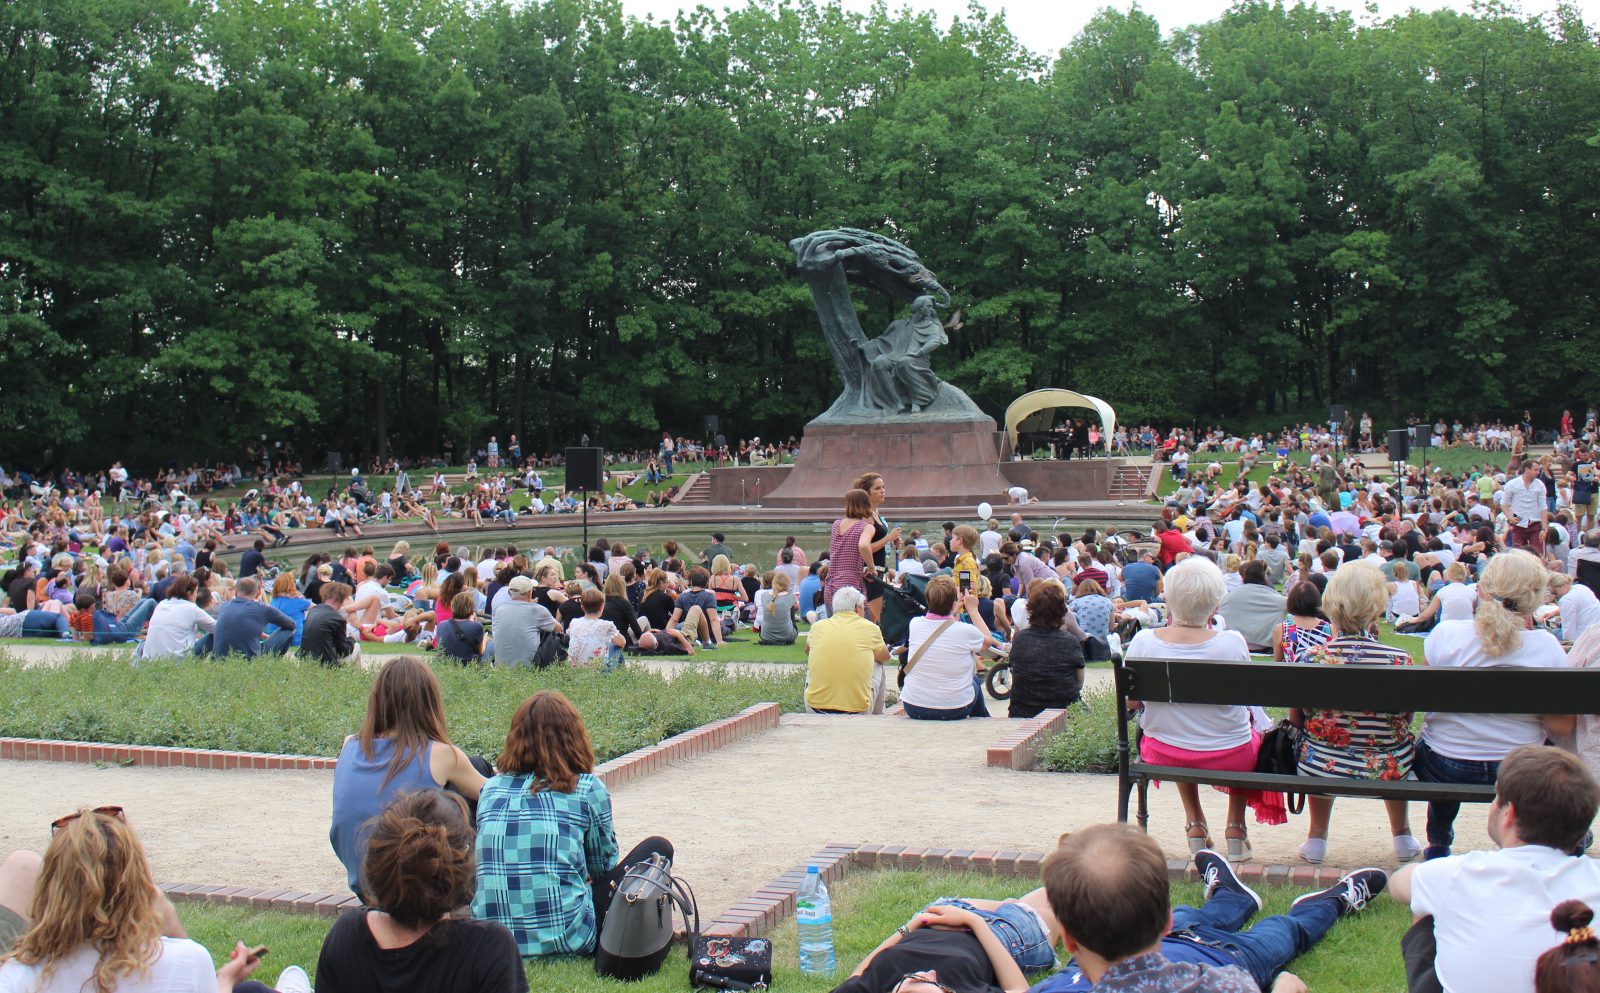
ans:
(1352, 892)
(1217, 874)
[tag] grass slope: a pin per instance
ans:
(1360, 955)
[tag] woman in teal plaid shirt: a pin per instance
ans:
(547, 852)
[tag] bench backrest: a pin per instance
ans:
(1355, 687)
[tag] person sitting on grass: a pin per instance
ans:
(547, 852)
(844, 659)
(1046, 660)
(419, 867)
(1481, 919)
(1107, 886)
(594, 641)
(1574, 965)
(696, 610)
(174, 623)
(325, 635)
(242, 623)
(462, 637)
(778, 611)
(958, 945)
(403, 745)
(96, 921)
(941, 679)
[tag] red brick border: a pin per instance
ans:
(39, 750)
(773, 903)
(1020, 749)
(623, 769)
(705, 738)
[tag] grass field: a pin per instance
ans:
(303, 708)
(1360, 955)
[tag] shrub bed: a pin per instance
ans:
(280, 704)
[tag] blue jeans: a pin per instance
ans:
(1431, 767)
(1018, 928)
(1267, 947)
(977, 708)
(136, 617)
(44, 624)
(614, 659)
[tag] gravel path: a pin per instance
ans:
(738, 817)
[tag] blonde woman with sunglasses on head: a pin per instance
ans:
(98, 924)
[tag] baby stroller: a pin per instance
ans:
(900, 606)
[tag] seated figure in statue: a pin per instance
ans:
(900, 375)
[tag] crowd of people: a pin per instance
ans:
(1316, 566)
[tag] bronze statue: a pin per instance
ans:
(888, 377)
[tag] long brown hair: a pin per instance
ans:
(405, 706)
(95, 888)
(548, 741)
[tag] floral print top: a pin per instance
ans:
(1347, 744)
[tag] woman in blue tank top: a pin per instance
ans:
(402, 746)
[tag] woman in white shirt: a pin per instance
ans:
(941, 681)
(175, 621)
(1467, 748)
(1202, 736)
(1580, 610)
(103, 925)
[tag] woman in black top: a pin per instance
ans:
(658, 603)
(618, 610)
(1046, 661)
(882, 536)
(419, 866)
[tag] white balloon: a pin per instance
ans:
(984, 511)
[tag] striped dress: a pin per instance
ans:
(1346, 744)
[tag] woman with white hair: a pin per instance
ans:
(1467, 748)
(1346, 744)
(1580, 610)
(1202, 736)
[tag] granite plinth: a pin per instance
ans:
(924, 462)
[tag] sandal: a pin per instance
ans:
(1200, 844)
(1239, 848)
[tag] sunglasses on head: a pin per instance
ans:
(912, 977)
(61, 822)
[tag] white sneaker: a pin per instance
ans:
(294, 980)
(1406, 847)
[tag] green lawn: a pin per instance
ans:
(1359, 956)
(280, 704)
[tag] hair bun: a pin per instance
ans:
(1571, 914)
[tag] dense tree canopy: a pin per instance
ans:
(374, 224)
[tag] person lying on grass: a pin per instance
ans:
(962, 946)
(1108, 888)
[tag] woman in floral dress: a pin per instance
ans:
(1347, 744)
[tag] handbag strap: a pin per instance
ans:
(917, 655)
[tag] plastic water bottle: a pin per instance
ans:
(814, 915)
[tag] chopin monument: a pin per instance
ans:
(894, 415)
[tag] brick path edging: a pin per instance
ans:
(622, 769)
(773, 904)
(1020, 750)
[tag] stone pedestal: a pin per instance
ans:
(925, 463)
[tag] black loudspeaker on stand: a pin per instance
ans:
(1399, 445)
(586, 472)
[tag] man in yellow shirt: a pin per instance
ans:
(844, 659)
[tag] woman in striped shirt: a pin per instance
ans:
(1345, 744)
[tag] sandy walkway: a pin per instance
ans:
(738, 816)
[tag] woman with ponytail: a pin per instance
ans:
(1467, 748)
(419, 868)
(1574, 965)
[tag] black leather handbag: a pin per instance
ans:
(1280, 755)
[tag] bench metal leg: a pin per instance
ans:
(1144, 804)
(1124, 790)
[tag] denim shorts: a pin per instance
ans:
(1020, 929)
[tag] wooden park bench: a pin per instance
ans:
(1339, 687)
